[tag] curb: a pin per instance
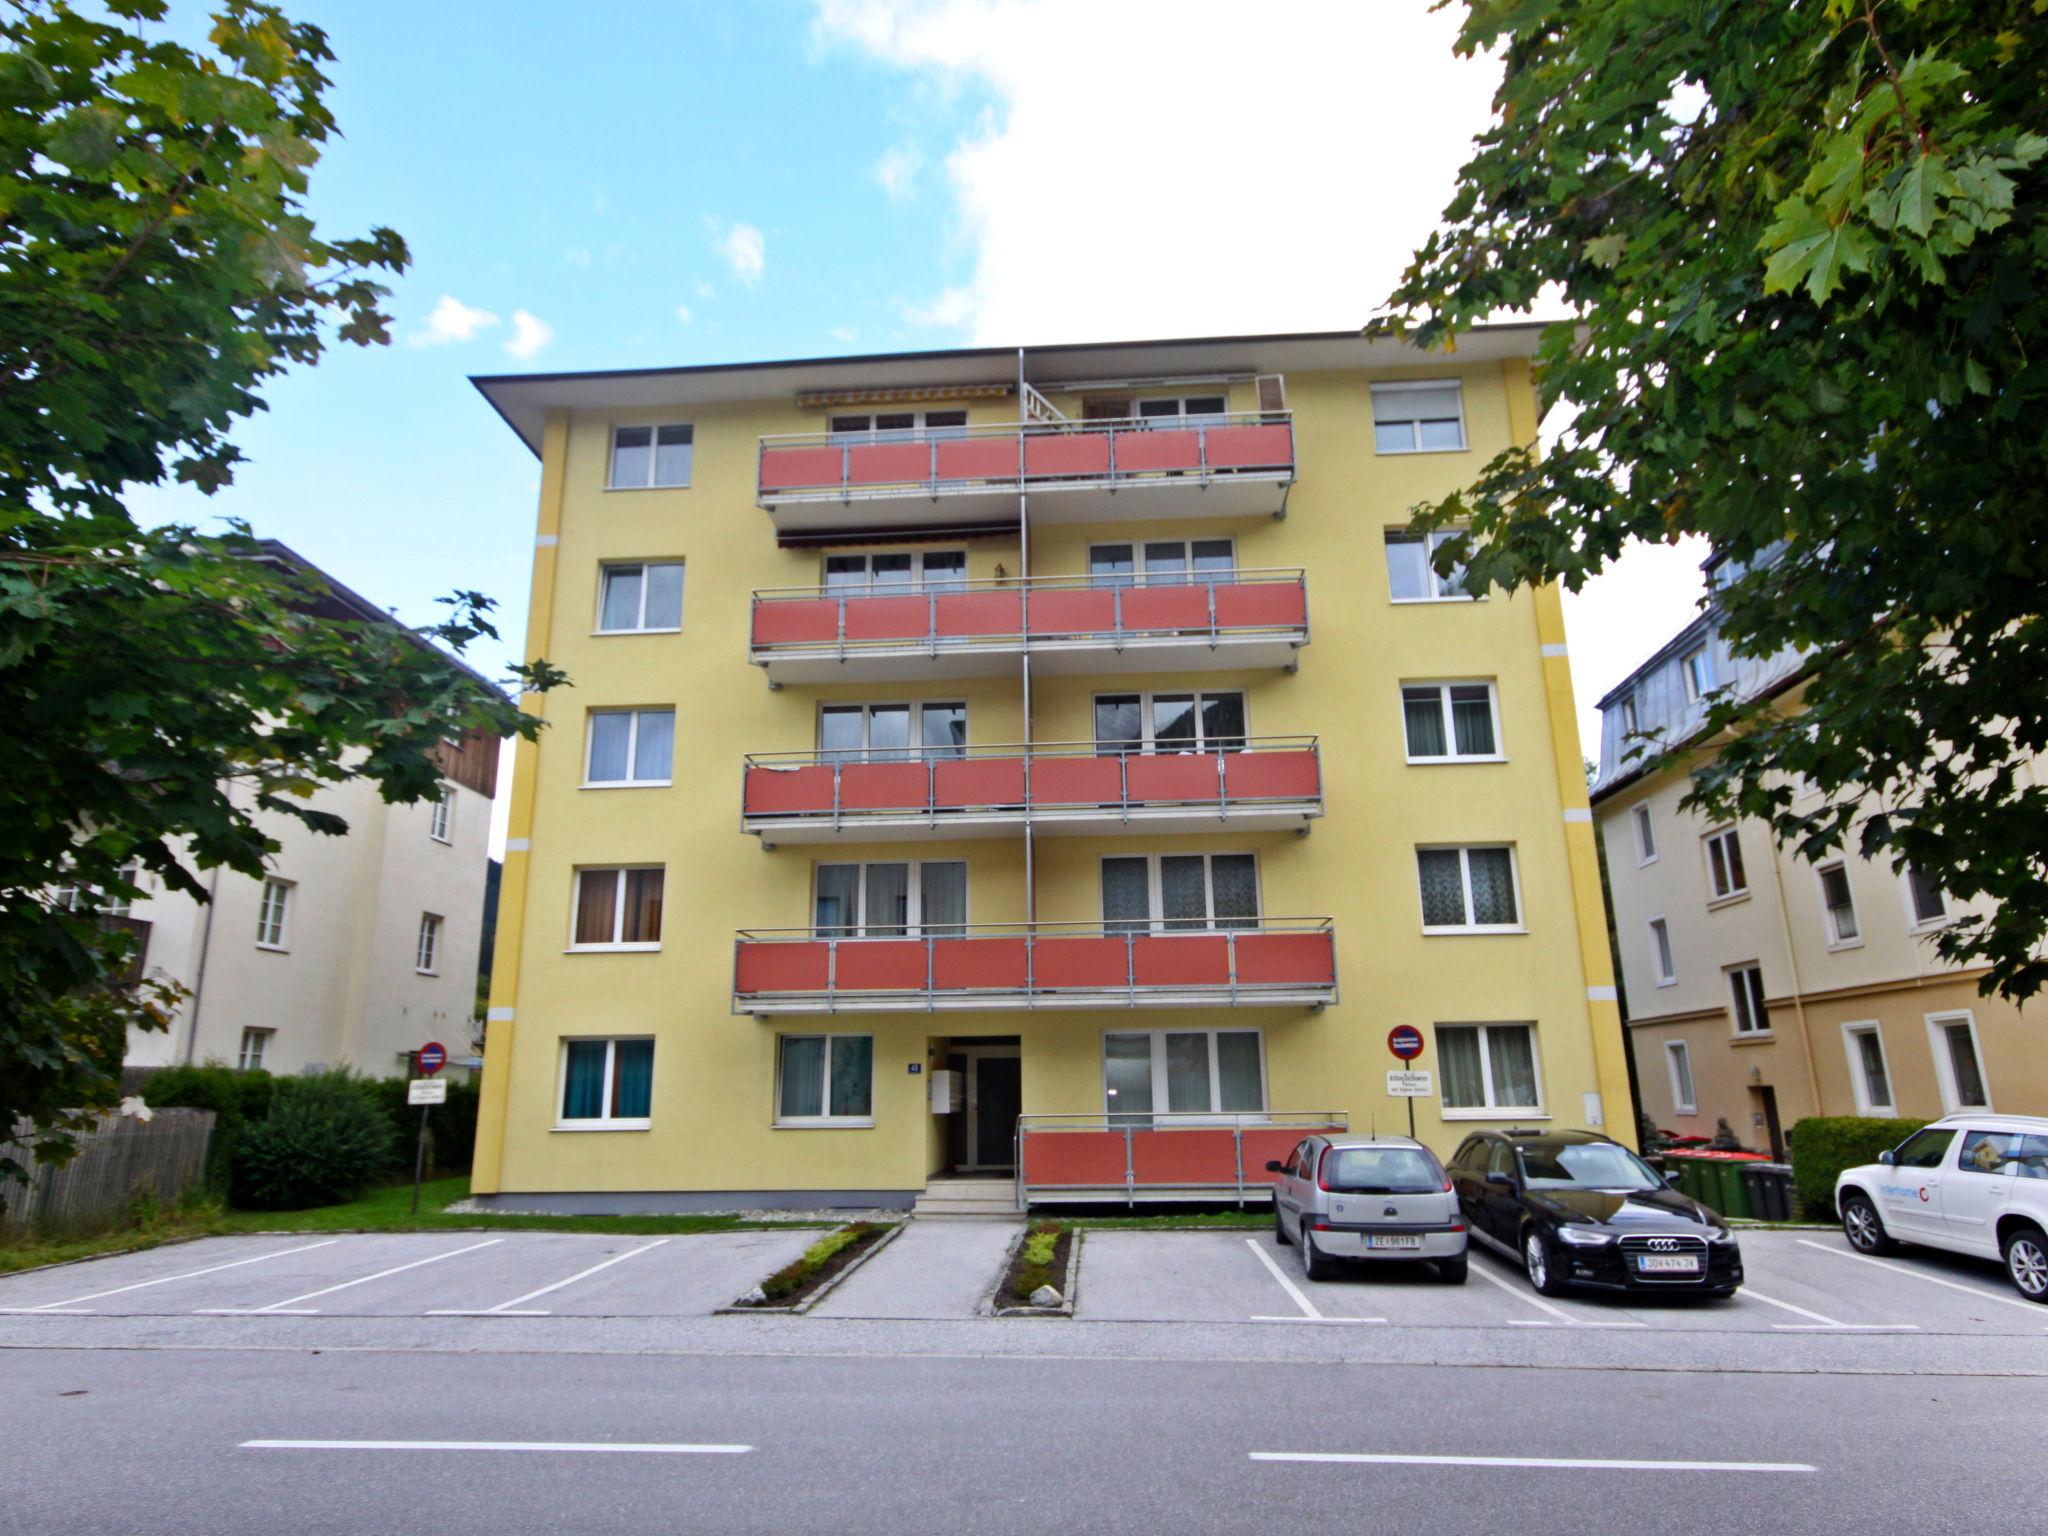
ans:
(894, 1231)
(1067, 1290)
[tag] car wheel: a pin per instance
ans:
(1536, 1260)
(1316, 1264)
(1452, 1271)
(1280, 1227)
(1864, 1227)
(2026, 1260)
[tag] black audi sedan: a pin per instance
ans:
(1578, 1209)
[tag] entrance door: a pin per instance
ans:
(995, 1096)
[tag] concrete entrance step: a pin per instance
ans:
(967, 1200)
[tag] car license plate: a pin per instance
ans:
(1393, 1242)
(1667, 1263)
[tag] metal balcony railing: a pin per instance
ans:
(1160, 1155)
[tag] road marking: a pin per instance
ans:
(287, 1305)
(1822, 1323)
(618, 1448)
(71, 1302)
(505, 1308)
(1914, 1274)
(1346, 1458)
(1319, 1319)
(1308, 1307)
(1537, 1301)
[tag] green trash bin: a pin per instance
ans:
(1691, 1176)
(1727, 1177)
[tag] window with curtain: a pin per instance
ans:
(1126, 895)
(1966, 1073)
(825, 1078)
(1874, 1079)
(1169, 722)
(647, 457)
(1678, 1057)
(1725, 875)
(1448, 721)
(1167, 562)
(890, 900)
(1840, 902)
(1180, 891)
(1746, 996)
(607, 1082)
(1489, 1067)
(927, 571)
(631, 746)
(642, 595)
(1188, 1071)
(1467, 888)
(616, 907)
(1424, 417)
(886, 732)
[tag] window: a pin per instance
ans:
(1868, 1074)
(1630, 721)
(1660, 953)
(1169, 722)
(1746, 994)
(1411, 572)
(1424, 417)
(1840, 904)
(894, 900)
(1183, 410)
(1924, 1149)
(825, 1080)
(880, 733)
(1957, 1064)
(272, 917)
(1698, 667)
(441, 815)
(1726, 878)
(644, 457)
(1678, 1058)
(1447, 722)
(630, 746)
(646, 595)
(607, 1084)
(427, 956)
(72, 897)
(1992, 1152)
(1928, 900)
(1183, 1072)
(931, 570)
(2031, 1160)
(1489, 1067)
(898, 426)
(1158, 892)
(1166, 562)
(255, 1042)
(1466, 890)
(1646, 835)
(618, 908)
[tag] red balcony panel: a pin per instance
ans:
(1272, 776)
(1184, 1156)
(1140, 451)
(981, 965)
(1195, 960)
(879, 965)
(1166, 607)
(1250, 447)
(888, 463)
(1074, 1158)
(1075, 611)
(788, 791)
(1286, 960)
(978, 781)
(1262, 605)
(803, 621)
(977, 458)
(965, 614)
(888, 618)
(793, 967)
(1076, 963)
(1075, 781)
(884, 787)
(1067, 455)
(1180, 776)
(1272, 1144)
(801, 469)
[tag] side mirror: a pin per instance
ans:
(1504, 1180)
(1886, 1158)
(1671, 1178)
(1274, 1165)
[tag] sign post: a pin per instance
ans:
(1405, 1041)
(431, 1058)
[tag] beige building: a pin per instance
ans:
(1760, 988)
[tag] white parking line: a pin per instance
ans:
(1574, 1464)
(616, 1448)
(1334, 1320)
(504, 1309)
(1821, 1321)
(289, 1304)
(71, 1303)
(1914, 1274)
(1537, 1301)
(1308, 1308)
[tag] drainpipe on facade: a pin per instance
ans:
(1798, 986)
(199, 974)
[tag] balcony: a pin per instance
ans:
(1263, 784)
(1160, 1156)
(1272, 962)
(1069, 624)
(817, 486)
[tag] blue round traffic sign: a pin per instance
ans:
(434, 1056)
(1405, 1041)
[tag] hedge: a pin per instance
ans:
(238, 1099)
(324, 1142)
(451, 1128)
(1822, 1146)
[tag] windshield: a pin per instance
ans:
(1382, 1170)
(1585, 1165)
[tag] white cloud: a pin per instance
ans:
(685, 314)
(953, 307)
(452, 320)
(845, 333)
(896, 172)
(530, 335)
(705, 291)
(744, 250)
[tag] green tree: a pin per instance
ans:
(163, 689)
(1804, 249)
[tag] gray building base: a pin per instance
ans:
(681, 1202)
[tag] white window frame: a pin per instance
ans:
(1155, 902)
(910, 584)
(1149, 741)
(604, 576)
(1491, 1109)
(1139, 577)
(920, 425)
(1156, 1044)
(1859, 1081)
(1645, 831)
(1685, 1099)
(274, 926)
(1745, 999)
(606, 1121)
(1464, 852)
(426, 960)
(260, 1039)
(632, 748)
(1827, 912)
(1663, 958)
(616, 945)
(441, 815)
(1443, 698)
(826, 1120)
(1180, 415)
(1696, 666)
(1708, 840)
(654, 431)
(1914, 920)
(913, 921)
(915, 751)
(1631, 720)
(1944, 1063)
(1414, 386)
(1429, 543)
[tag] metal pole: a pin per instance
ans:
(1411, 1117)
(419, 1158)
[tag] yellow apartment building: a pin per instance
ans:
(1056, 763)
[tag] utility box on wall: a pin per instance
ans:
(949, 1092)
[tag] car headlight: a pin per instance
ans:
(1584, 1237)
(1720, 1235)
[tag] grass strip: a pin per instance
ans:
(823, 1259)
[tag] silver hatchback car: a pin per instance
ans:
(1379, 1199)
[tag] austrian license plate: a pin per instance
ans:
(1374, 1241)
(1667, 1263)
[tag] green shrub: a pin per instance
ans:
(237, 1099)
(792, 1277)
(324, 1141)
(1822, 1146)
(451, 1128)
(1034, 1267)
